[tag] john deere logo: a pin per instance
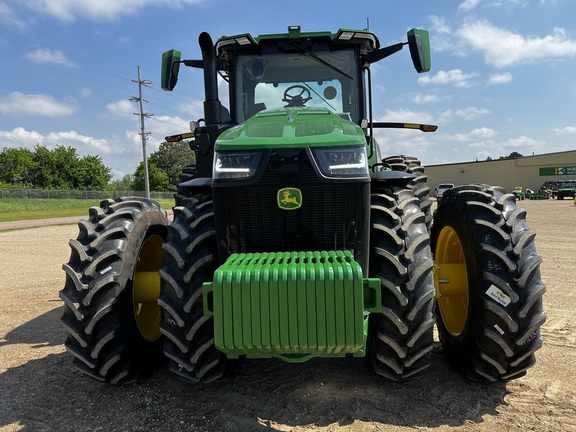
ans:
(289, 198)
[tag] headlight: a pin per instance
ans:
(236, 164)
(342, 161)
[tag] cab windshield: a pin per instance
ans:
(319, 79)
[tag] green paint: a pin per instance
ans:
(291, 127)
(291, 305)
(558, 171)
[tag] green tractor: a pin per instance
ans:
(293, 238)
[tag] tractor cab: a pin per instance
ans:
(297, 70)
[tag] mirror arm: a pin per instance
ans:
(199, 64)
(194, 63)
(382, 53)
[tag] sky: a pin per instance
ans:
(502, 77)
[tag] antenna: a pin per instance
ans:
(367, 23)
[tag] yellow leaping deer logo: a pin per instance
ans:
(289, 198)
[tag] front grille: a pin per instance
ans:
(332, 215)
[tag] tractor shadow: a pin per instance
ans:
(48, 393)
(39, 332)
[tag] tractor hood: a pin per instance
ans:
(291, 127)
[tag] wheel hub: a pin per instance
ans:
(451, 281)
(146, 288)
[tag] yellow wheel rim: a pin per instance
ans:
(451, 281)
(146, 288)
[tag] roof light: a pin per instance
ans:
(243, 41)
(349, 35)
(346, 35)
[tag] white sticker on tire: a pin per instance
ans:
(106, 270)
(498, 295)
(497, 327)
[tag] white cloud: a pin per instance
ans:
(468, 5)
(404, 141)
(494, 149)
(567, 130)
(455, 77)
(162, 126)
(504, 48)
(101, 146)
(439, 25)
(469, 113)
(404, 115)
(522, 142)
(502, 78)
(49, 56)
(101, 10)
(18, 104)
(123, 109)
(20, 137)
(474, 134)
(85, 92)
(8, 16)
(424, 98)
(443, 36)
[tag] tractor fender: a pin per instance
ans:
(197, 185)
(391, 177)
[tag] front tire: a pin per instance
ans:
(489, 289)
(182, 193)
(191, 258)
(418, 185)
(111, 313)
(400, 338)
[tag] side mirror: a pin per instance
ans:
(170, 69)
(419, 43)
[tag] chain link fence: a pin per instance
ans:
(76, 194)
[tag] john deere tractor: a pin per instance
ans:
(293, 238)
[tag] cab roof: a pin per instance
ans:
(341, 37)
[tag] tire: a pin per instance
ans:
(419, 185)
(400, 338)
(191, 258)
(182, 193)
(111, 313)
(488, 282)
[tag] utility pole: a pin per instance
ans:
(143, 132)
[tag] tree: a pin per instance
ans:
(60, 168)
(513, 155)
(124, 184)
(171, 158)
(16, 166)
(93, 174)
(158, 179)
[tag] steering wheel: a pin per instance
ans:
(299, 99)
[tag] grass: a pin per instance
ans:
(14, 209)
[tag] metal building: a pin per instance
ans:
(528, 172)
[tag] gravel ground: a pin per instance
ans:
(40, 390)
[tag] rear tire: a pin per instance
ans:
(191, 258)
(111, 313)
(400, 338)
(488, 283)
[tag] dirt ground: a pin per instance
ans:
(40, 390)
